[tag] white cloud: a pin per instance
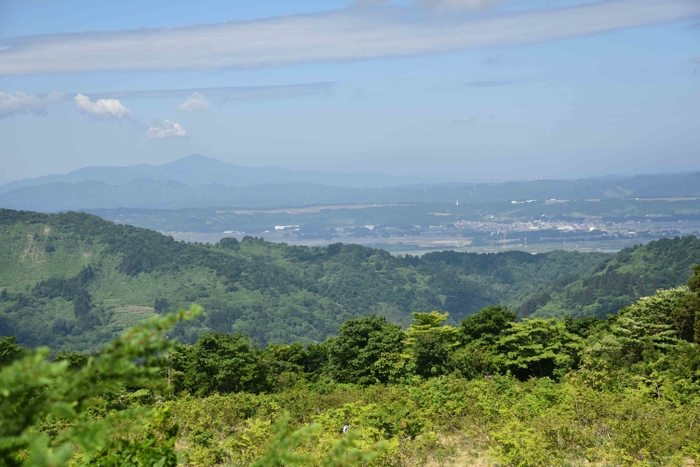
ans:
(350, 34)
(196, 101)
(464, 120)
(104, 108)
(167, 129)
(20, 102)
(696, 60)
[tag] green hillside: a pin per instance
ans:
(73, 281)
(618, 281)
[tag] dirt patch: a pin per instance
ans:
(28, 248)
(33, 251)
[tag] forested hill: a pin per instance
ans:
(72, 281)
(617, 281)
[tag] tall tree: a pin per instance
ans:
(539, 347)
(486, 325)
(367, 350)
(431, 343)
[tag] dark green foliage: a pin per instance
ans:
(160, 305)
(538, 348)
(62, 326)
(431, 354)
(76, 360)
(584, 327)
(686, 313)
(10, 350)
(474, 360)
(65, 288)
(431, 343)
(487, 325)
(533, 303)
(694, 281)
(686, 318)
(219, 363)
(231, 243)
(316, 358)
(366, 351)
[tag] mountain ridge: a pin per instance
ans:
(146, 193)
(196, 169)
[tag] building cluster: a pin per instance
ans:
(498, 227)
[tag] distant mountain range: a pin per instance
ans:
(199, 182)
(200, 170)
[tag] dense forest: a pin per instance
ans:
(617, 281)
(74, 282)
(491, 390)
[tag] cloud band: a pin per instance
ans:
(352, 34)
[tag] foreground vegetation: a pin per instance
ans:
(74, 282)
(492, 390)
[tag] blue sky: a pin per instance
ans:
(465, 89)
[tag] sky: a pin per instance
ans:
(478, 90)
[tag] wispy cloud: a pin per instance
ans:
(167, 129)
(196, 101)
(487, 83)
(467, 119)
(236, 93)
(695, 60)
(102, 108)
(451, 5)
(19, 102)
(351, 34)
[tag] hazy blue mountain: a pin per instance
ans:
(200, 182)
(201, 170)
(146, 193)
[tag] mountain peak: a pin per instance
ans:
(196, 158)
